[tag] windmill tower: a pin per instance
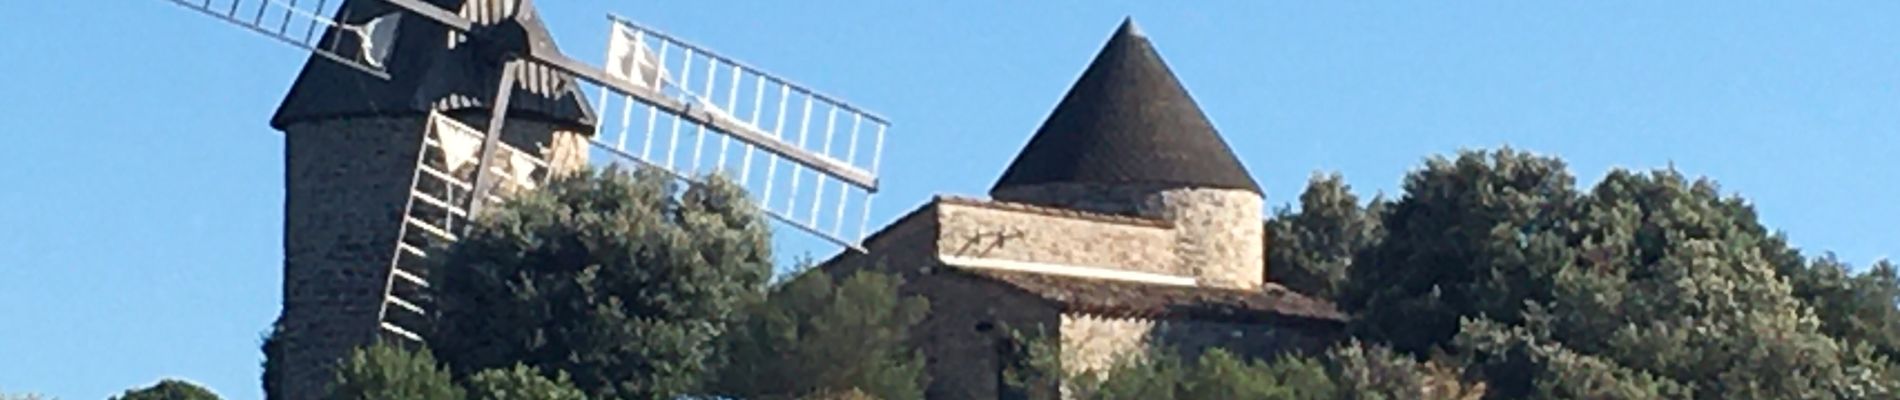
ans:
(411, 115)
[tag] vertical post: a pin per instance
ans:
(497, 117)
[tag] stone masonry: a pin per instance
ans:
(1125, 225)
(346, 183)
(1216, 235)
(944, 248)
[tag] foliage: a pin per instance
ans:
(521, 383)
(616, 278)
(273, 346)
(169, 389)
(1474, 236)
(1215, 374)
(815, 336)
(1372, 372)
(1854, 307)
(1648, 286)
(383, 371)
(1310, 250)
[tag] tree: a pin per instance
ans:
(1215, 374)
(619, 279)
(169, 389)
(383, 371)
(1472, 237)
(1649, 286)
(521, 383)
(1854, 307)
(272, 346)
(1310, 250)
(1363, 371)
(818, 337)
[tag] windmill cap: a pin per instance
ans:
(1128, 120)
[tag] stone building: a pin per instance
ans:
(1125, 223)
(353, 145)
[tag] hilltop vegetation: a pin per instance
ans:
(1492, 275)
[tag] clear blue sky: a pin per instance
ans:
(141, 218)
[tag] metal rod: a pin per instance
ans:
(312, 29)
(771, 171)
(626, 119)
(768, 212)
(758, 103)
(804, 126)
(817, 198)
(673, 140)
(259, 18)
(865, 221)
(851, 155)
(646, 150)
(699, 136)
(702, 49)
(877, 154)
(497, 117)
(285, 26)
(732, 97)
(831, 121)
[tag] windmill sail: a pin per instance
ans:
(810, 159)
(306, 24)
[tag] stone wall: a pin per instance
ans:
(976, 230)
(1219, 234)
(1122, 199)
(1093, 344)
(964, 336)
(346, 183)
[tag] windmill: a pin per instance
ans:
(411, 115)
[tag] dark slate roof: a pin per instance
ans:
(426, 73)
(1117, 298)
(1128, 120)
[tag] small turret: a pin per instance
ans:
(1128, 139)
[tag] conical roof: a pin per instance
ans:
(1127, 120)
(425, 74)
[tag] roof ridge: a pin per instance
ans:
(1055, 211)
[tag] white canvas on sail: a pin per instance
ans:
(629, 58)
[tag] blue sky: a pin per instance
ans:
(141, 222)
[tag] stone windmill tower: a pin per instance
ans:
(1126, 223)
(410, 115)
(359, 148)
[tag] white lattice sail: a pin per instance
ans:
(809, 159)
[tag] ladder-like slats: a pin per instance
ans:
(399, 331)
(444, 204)
(258, 17)
(431, 229)
(435, 217)
(411, 278)
(682, 85)
(406, 305)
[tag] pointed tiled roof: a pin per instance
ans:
(1128, 120)
(426, 75)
